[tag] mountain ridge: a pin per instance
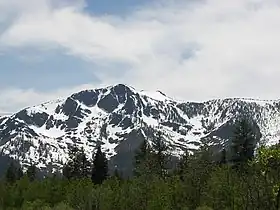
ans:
(120, 117)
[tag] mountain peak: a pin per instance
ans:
(120, 117)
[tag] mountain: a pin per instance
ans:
(120, 117)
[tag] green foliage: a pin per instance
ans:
(100, 167)
(62, 206)
(223, 157)
(31, 172)
(142, 159)
(11, 173)
(118, 174)
(152, 159)
(183, 164)
(244, 141)
(78, 165)
(204, 208)
(19, 173)
(160, 156)
(268, 159)
(36, 205)
(197, 183)
(79, 194)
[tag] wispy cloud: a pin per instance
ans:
(189, 49)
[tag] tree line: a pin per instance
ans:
(244, 177)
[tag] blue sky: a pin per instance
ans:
(47, 71)
(120, 7)
(191, 50)
(29, 68)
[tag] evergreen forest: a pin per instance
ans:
(246, 177)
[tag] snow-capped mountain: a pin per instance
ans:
(120, 117)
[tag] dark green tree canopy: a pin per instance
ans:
(31, 172)
(11, 173)
(141, 158)
(244, 141)
(100, 167)
(78, 165)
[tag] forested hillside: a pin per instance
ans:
(245, 177)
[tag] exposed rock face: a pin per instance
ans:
(120, 118)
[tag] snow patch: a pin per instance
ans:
(155, 95)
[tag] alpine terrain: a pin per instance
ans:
(119, 118)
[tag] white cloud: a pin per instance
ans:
(189, 49)
(15, 99)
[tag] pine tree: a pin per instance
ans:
(223, 157)
(183, 164)
(70, 168)
(142, 152)
(31, 172)
(19, 173)
(75, 162)
(100, 167)
(66, 171)
(244, 141)
(11, 173)
(85, 165)
(159, 149)
(141, 159)
(78, 165)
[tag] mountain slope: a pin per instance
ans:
(120, 118)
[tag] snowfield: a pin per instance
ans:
(42, 134)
